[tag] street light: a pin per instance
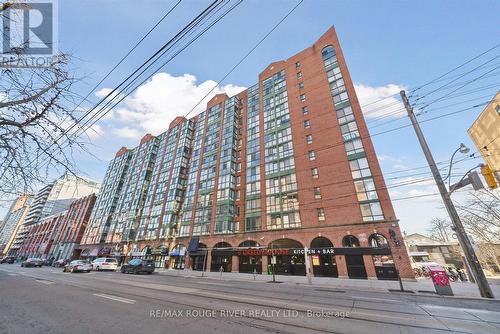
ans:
(462, 149)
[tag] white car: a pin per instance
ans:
(104, 263)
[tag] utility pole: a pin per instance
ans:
(463, 240)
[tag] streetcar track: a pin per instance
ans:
(197, 306)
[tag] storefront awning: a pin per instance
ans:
(193, 245)
(94, 252)
(89, 252)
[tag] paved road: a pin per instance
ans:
(45, 300)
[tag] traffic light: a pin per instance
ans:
(489, 177)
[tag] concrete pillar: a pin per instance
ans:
(341, 266)
(265, 262)
(369, 267)
(187, 262)
(235, 264)
(208, 260)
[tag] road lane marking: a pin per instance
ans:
(377, 299)
(45, 282)
(115, 298)
(12, 274)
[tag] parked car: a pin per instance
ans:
(60, 263)
(104, 263)
(32, 262)
(48, 262)
(78, 265)
(8, 259)
(137, 266)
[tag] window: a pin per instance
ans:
(317, 192)
(297, 64)
(253, 204)
(252, 224)
(321, 213)
(305, 111)
(350, 241)
(359, 168)
(314, 173)
(497, 108)
(309, 139)
(299, 75)
(312, 155)
(371, 211)
(307, 124)
(354, 146)
(365, 189)
(302, 97)
(301, 85)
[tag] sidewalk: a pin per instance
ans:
(421, 286)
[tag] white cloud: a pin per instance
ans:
(399, 167)
(127, 132)
(155, 104)
(382, 101)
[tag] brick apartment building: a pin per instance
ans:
(58, 236)
(255, 178)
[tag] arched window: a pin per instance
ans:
(321, 242)
(377, 240)
(249, 243)
(350, 241)
(328, 52)
(222, 245)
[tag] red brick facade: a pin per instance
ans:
(307, 85)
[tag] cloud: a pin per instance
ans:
(127, 132)
(381, 101)
(156, 103)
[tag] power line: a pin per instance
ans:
(455, 68)
(247, 55)
(193, 24)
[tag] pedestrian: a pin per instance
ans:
(461, 275)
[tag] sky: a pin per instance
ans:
(388, 46)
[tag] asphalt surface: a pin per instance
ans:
(46, 300)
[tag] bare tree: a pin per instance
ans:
(440, 229)
(481, 218)
(35, 112)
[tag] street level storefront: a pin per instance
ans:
(198, 254)
(177, 257)
(160, 256)
(287, 257)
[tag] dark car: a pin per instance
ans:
(8, 259)
(32, 262)
(60, 263)
(48, 262)
(137, 266)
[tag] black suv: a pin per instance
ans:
(137, 266)
(8, 259)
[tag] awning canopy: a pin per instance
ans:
(193, 245)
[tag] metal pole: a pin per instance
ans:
(307, 261)
(273, 259)
(204, 263)
(482, 282)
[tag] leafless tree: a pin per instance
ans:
(481, 218)
(36, 109)
(440, 229)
